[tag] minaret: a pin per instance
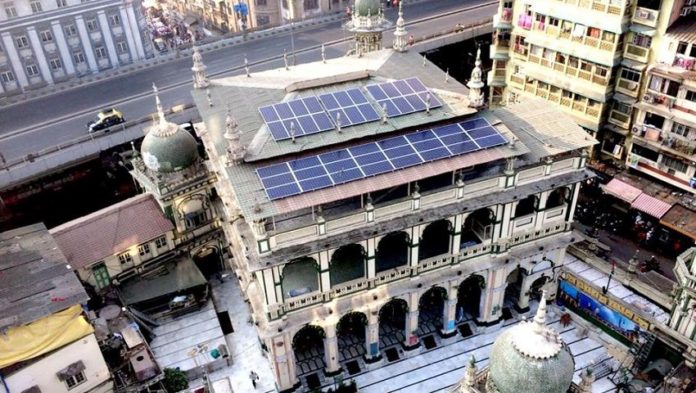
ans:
(586, 379)
(400, 32)
(367, 24)
(235, 150)
(200, 80)
(468, 385)
(475, 85)
(540, 317)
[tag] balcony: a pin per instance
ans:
(619, 119)
(637, 53)
(630, 88)
(593, 49)
(645, 16)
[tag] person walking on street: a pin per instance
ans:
(254, 377)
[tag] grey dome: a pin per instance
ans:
(168, 150)
(531, 357)
(365, 7)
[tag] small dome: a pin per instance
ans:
(365, 7)
(530, 357)
(168, 151)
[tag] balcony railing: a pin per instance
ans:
(637, 53)
(645, 16)
(620, 119)
(601, 6)
(627, 87)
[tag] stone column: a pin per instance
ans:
(108, 40)
(129, 34)
(86, 43)
(324, 275)
(412, 341)
(522, 305)
(492, 298)
(371, 244)
(449, 314)
(39, 53)
(283, 362)
(9, 46)
(573, 202)
(135, 28)
(331, 350)
(415, 233)
(506, 220)
(62, 44)
(457, 233)
(372, 337)
(539, 219)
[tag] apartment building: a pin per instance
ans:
(589, 58)
(663, 143)
(43, 42)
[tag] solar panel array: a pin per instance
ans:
(403, 96)
(374, 158)
(303, 116)
(311, 115)
(350, 107)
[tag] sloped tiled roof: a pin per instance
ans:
(111, 230)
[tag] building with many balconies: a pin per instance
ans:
(370, 209)
(45, 42)
(664, 132)
(587, 57)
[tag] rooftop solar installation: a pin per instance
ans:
(402, 97)
(349, 107)
(299, 117)
(374, 158)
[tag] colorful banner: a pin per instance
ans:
(585, 299)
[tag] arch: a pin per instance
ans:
(513, 286)
(299, 277)
(526, 206)
(536, 287)
(392, 251)
(350, 335)
(392, 323)
(469, 297)
(477, 227)
(557, 197)
(347, 263)
(435, 239)
(209, 260)
(430, 310)
(308, 346)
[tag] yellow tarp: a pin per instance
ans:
(43, 336)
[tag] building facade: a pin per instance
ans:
(45, 42)
(589, 58)
(372, 264)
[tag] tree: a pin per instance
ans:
(174, 380)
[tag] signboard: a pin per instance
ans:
(583, 298)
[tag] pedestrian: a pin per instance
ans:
(411, 40)
(253, 377)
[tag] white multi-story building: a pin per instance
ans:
(43, 42)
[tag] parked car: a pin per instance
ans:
(106, 119)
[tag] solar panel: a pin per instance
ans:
(303, 116)
(349, 107)
(374, 158)
(403, 96)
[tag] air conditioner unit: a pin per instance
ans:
(649, 98)
(635, 130)
(632, 86)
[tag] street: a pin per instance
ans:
(49, 121)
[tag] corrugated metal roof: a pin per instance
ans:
(622, 190)
(684, 29)
(681, 219)
(651, 206)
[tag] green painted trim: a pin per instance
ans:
(371, 257)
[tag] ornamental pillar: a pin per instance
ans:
(331, 350)
(372, 337)
(449, 314)
(412, 341)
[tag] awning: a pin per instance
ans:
(624, 98)
(682, 220)
(622, 190)
(633, 64)
(71, 370)
(640, 29)
(651, 206)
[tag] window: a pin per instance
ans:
(262, 3)
(673, 163)
(114, 20)
(70, 30)
(62, 3)
(195, 219)
(75, 380)
(36, 6)
(161, 242)
(622, 108)
(644, 152)
(22, 41)
(10, 10)
(692, 52)
(681, 48)
(654, 120)
(7, 76)
(690, 95)
(681, 129)
(629, 74)
(284, 4)
(101, 276)
(262, 20)
(121, 47)
(78, 57)
(125, 258)
(92, 25)
(101, 52)
(311, 4)
(55, 64)
(601, 71)
(46, 36)
(144, 249)
(554, 22)
(641, 40)
(32, 70)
